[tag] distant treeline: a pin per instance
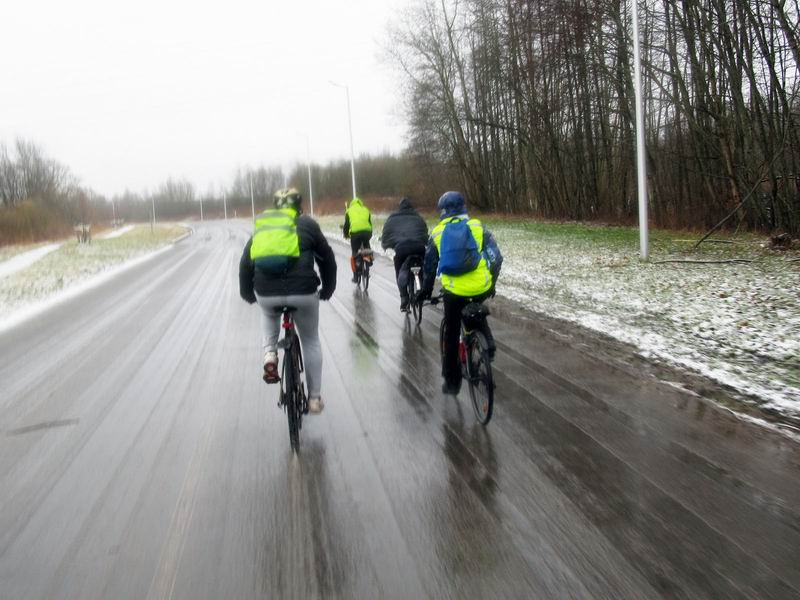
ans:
(42, 199)
(532, 101)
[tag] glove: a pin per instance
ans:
(325, 294)
(249, 298)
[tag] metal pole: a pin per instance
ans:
(153, 223)
(350, 129)
(113, 214)
(308, 164)
(252, 200)
(225, 204)
(201, 209)
(641, 163)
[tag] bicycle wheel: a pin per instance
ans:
(302, 398)
(291, 399)
(366, 275)
(441, 340)
(479, 371)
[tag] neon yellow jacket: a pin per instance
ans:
(477, 281)
(358, 217)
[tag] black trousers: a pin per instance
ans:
(402, 264)
(453, 305)
(357, 240)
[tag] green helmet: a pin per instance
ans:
(288, 198)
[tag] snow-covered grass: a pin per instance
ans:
(738, 324)
(73, 263)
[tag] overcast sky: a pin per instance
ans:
(130, 93)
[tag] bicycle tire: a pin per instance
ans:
(441, 341)
(480, 378)
(411, 292)
(291, 400)
(366, 276)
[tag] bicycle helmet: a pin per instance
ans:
(451, 204)
(288, 198)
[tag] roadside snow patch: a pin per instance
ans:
(116, 232)
(26, 259)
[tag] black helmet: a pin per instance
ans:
(288, 198)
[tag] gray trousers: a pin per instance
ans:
(306, 318)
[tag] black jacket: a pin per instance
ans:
(300, 278)
(404, 227)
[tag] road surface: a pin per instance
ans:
(141, 456)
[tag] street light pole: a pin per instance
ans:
(225, 204)
(252, 200)
(350, 129)
(153, 223)
(308, 165)
(641, 162)
(201, 209)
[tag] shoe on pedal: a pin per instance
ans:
(271, 367)
(315, 405)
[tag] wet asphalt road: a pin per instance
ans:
(141, 456)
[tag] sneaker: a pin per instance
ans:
(355, 278)
(404, 305)
(315, 405)
(271, 367)
(450, 389)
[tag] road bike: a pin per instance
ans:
(364, 260)
(415, 286)
(473, 355)
(292, 397)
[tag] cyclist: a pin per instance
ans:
(277, 270)
(358, 229)
(466, 257)
(406, 233)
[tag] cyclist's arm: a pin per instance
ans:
(246, 272)
(429, 266)
(326, 262)
(346, 228)
(387, 239)
(493, 254)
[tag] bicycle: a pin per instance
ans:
(473, 354)
(414, 287)
(292, 396)
(364, 260)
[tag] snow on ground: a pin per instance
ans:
(114, 233)
(25, 259)
(738, 324)
(74, 267)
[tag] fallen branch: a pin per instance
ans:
(746, 198)
(705, 262)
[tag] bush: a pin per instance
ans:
(30, 222)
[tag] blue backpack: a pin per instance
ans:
(458, 251)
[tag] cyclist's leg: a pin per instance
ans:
(402, 274)
(451, 369)
(487, 331)
(307, 320)
(270, 320)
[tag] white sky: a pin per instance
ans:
(129, 93)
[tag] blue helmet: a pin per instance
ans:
(451, 204)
